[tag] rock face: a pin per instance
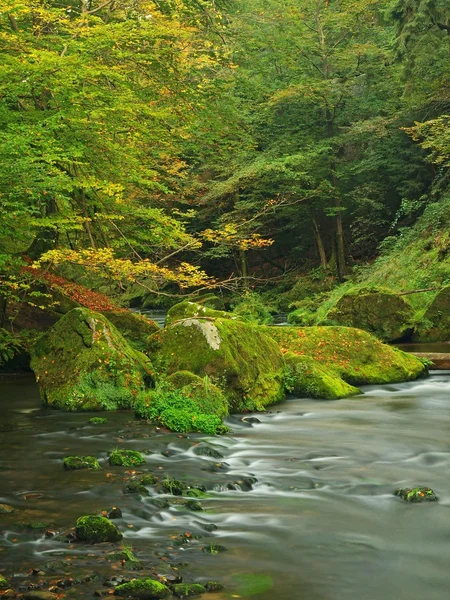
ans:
(434, 326)
(238, 357)
(84, 363)
(351, 356)
(381, 312)
(94, 530)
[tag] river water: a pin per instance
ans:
(320, 523)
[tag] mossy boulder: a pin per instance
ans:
(211, 301)
(95, 530)
(186, 310)
(417, 494)
(84, 363)
(352, 355)
(238, 357)
(252, 309)
(77, 463)
(186, 590)
(126, 458)
(307, 377)
(135, 328)
(379, 311)
(434, 325)
(143, 589)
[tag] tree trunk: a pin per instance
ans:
(320, 246)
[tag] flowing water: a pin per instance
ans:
(320, 523)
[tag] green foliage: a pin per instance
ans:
(10, 345)
(126, 458)
(252, 309)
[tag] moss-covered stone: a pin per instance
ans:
(6, 509)
(143, 589)
(379, 311)
(84, 363)
(417, 494)
(180, 379)
(98, 421)
(252, 309)
(3, 582)
(194, 310)
(211, 301)
(352, 355)
(306, 377)
(126, 458)
(94, 530)
(434, 325)
(207, 396)
(185, 590)
(213, 586)
(241, 358)
(76, 463)
(135, 328)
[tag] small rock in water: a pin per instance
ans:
(94, 530)
(207, 451)
(113, 513)
(214, 549)
(250, 420)
(193, 505)
(185, 590)
(213, 586)
(170, 578)
(77, 463)
(208, 526)
(416, 494)
(97, 420)
(38, 595)
(6, 509)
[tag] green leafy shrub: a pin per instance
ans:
(10, 346)
(252, 309)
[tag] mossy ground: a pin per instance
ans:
(84, 363)
(379, 311)
(350, 354)
(94, 530)
(240, 358)
(434, 323)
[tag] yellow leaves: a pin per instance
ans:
(229, 236)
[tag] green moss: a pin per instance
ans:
(194, 310)
(94, 530)
(126, 458)
(434, 324)
(379, 311)
(252, 584)
(135, 328)
(213, 586)
(84, 363)
(196, 407)
(239, 357)
(252, 309)
(417, 494)
(306, 377)
(172, 486)
(179, 379)
(3, 582)
(214, 549)
(98, 421)
(5, 509)
(185, 590)
(350, 354)
(210, 301)
(143, 589)
(76, 463)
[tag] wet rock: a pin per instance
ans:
(6, 509)
(170, 578)
(113, 513)
(94, 530)
(207, 451)
(197, 493)
(216, 467)
(135, 487)
(250, 420)
(115, 581)
(57, 566)
(208, 526)
(193, 505)
(39, 595)
(417, 494)
(160, 502)
(213, 586)
(65, 583)
(35, 525)
(126, 458)
(143, 589)
(175, 487)
(213, 549)
(185, 590)
(76, 463)
(98, 420)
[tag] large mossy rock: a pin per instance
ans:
(307, 377)
(95, 530)
(135, 328)
(143, 589)
(434, 326)
(84, 363)
(238, 357)
(376, 310)
(352, 355)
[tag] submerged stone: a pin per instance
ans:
(213, 586)
(3, 582)
(6, 509)
(84, 363)
(185, 590)
(76, 463)
(98, 420)
(214, 549)
(94, 530)
(417, 494)
(379, 311)
(113, 513)
(126, 458)
(143, 589)
(39, 595)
